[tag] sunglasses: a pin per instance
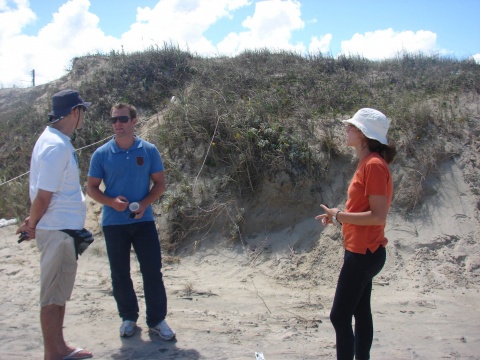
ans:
(122, 119)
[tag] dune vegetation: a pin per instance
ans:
(227, 126)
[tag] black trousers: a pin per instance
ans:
(352, 299)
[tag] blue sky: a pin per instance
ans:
(46, 34)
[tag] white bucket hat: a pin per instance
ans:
(372, 123)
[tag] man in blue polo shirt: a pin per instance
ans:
(127, 165)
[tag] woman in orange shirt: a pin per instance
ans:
(363, 224)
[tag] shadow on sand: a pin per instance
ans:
(137, 348)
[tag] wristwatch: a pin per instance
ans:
(334, 218)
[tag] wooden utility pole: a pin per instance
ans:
(33, 77)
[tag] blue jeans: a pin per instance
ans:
(144, 238)
(352, 299)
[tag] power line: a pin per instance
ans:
(76, 150)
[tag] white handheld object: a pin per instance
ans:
(134, 206)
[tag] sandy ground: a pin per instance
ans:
(273, 296)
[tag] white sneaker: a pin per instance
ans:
(128, 328)
(163, 331)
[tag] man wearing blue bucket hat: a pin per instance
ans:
(57, 202)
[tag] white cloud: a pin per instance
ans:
(179, 22)
(476, 58)
(12, 42)
(73, 32)
(382, 44)
(270, 26)
(321, 45)
(12, 20)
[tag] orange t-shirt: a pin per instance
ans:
(372, 177)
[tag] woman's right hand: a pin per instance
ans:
(326, 218)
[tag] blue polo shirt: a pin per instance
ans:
(127, 173)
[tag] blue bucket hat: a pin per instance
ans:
(64, 102)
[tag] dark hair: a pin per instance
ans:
(132, 110)
(387, 152)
